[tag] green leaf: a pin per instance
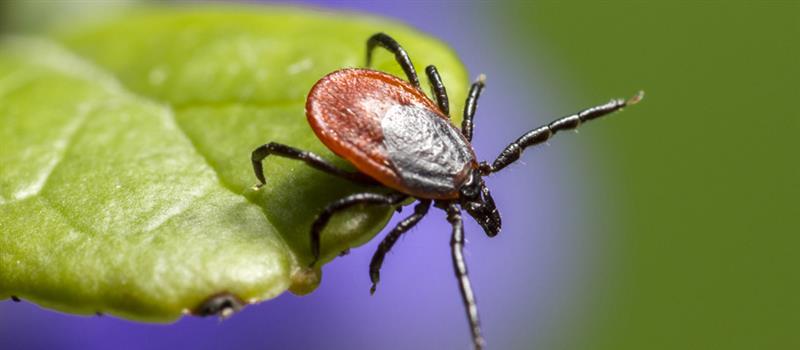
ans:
(125, 182)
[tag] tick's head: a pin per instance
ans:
(477, 201)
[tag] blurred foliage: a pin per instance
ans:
(707, 167)
(37, 16)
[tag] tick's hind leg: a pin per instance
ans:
(377, 259)
(309, 158)
(386, 42)
(460, 267)
(342, 204)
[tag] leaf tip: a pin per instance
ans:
(305, 280)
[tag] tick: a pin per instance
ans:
(399, 138)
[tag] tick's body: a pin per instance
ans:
(399, 138)
(390, 131)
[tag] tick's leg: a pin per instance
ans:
(386, 42)
(309, 158)
(359, 198)
(543, 133)
(460, 266)
(438, 89)
(377, 259)
(471, 105)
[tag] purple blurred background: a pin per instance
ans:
(529, 280)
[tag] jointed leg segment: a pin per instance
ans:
(439, 90)
(342, 204)
(377, 259)
(471, 105)
(543, 133)
(400, 55)
(309, 158)
(460, 266)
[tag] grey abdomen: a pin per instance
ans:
(429, 153)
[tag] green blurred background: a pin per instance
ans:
(707, 166)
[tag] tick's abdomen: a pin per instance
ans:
(390, 131)
(428, 153)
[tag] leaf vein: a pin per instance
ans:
(60, 147)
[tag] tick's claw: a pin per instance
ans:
(372, 289)
(257, 187)
(636, 98)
